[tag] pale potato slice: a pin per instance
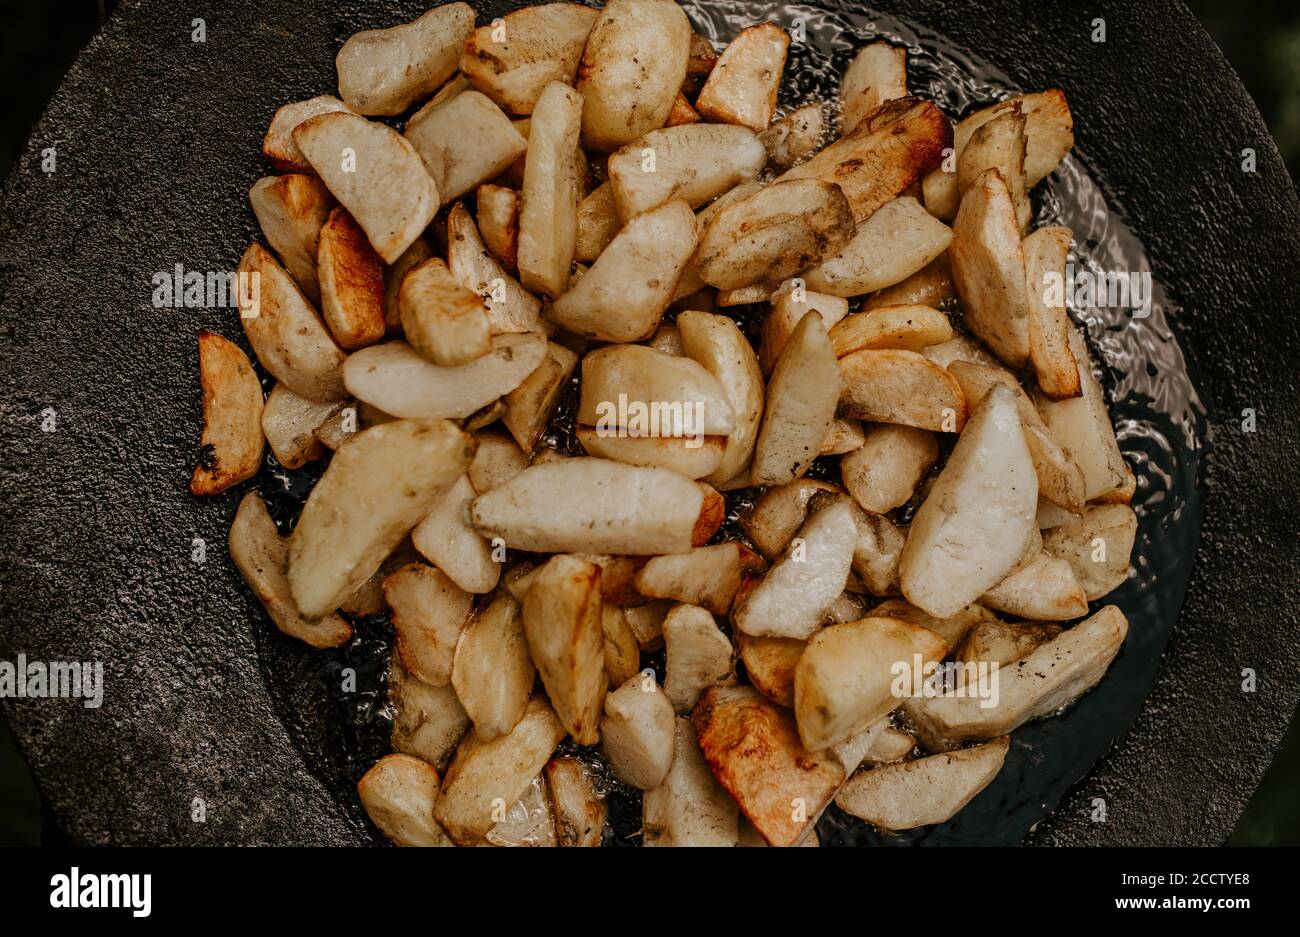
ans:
(878, 73)
(291, 211)
(960, 348)
(375, 174)
(904, 387)
(796, 592)
(1082, 427)
(598, 222)
(851, 752)
(397, 380)
(688, 456)
(878, 553)
(694, 163)
(925, 791)
(622, 650)
(412, 257)
(744, 296)
(929, 286)
(999, 144)
(351, 282)
(441, 319)
(492, 671)
(647, 623)
(428, 721)
(511, 308)
(1044, 590)
(385, 71)
(289, 423)
(1097, 547)
(497, 460)
(742, 86)
(498, 217)
(230, 447)
(428, 611)
(753, 747)
(278, 145)
(513, 59)
(398, 794)
(659, 394)
(779, 513)
(624, 509)
(667, 338)
(907, 327)
(844, 436)
(883, 156)
(552, 189)
(890, 745)
(636, 733)
(698, 656)
(848, 607)
(464, 140)
(952, 628)
(1053, 515)
(717, 343)
(624, 294)
(978, 519)
(801, 399)
(377, 487)
(844, 681)
(898, 239)
(563, 623)
(707, 576)
(487, 776)
(445, 539)
(689, 807)
(884, 473)
(770, 664)
(681, 113)
(774, 233)
(530, 405)
(789, 306)
(1046, 251)
(999, 642)
(795, 135)
(528, 822)
(632, 67)
(1048, 678)
(580, 809)
(988, 267)
(261, 556)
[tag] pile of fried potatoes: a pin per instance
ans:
(576, 197)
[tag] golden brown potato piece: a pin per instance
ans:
(498, 218)
(878, 73)
(779, 513)
(795, 135)
(598, 222)
(511, 308)
(291, 211)
(1097, 547)
(351, 282)
(753, 747)
(1044, 590)
(428, 721)
(929, 286)
(429, 611)
(1046, 251)
(1001, 642)
(742, 86)
(694, 163)
(717, 343)
(552, 189)
(492, 671)
(622, 650)
(412, 257)
(512, 60)
(664, 395)
(770, 664)
(910, 327)
(885, 471)
(579, 807)
(398, 794)
(898, 386)
(230, 448)
(278, 145)
(530, 405)
(707, 576)
(442, 320)
(898, 239)
(789, 306)
(690, 457)
(289, 423)
(1000, 145)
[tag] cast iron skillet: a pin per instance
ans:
(157, 140)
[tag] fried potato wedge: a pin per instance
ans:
(528, 408)
(1045, 253)
(278, 145)
(707, 576)
(622, 650)
(647, 623)
(497, 460)
(988, 267)
(977, 521)
(885, 471)
(793, 597)
(883, 156)
(801, 399)
(511, 308)
(548, 220)
(770, 664)
(1001, 642)
(910, 327)
(689, 807)
(753, 747)
(291, 211)
(289, 423)
(717, 343)
(636, 733)
(677, 396)
(442, 320)
(230, 448)
(795, 135)
(1044, 590)
(844, 436)
(383, 72)
(397, 380)
(445, 539)
(489, 772)
(287, 336)
(492, 671)
(878, 73)
(681, 113)
(412, 257)
(903, 387)
(375, 174)
(377, 487)
(742, 86)
(624, 294)
(513, 59)
(694, 163)
(428, 721)
(853, 751)
(779, 513)
(845, 679)
(624, 509)
(898, 239)
(429, 612)
(351, 282)
(625, 96)
(952, 628)
(464, 140)
(774, 233)
(598, 222)
(690, 457)
(890, 745)
(398, 794)
(698, 656)
(1000, 145)
(579, 807)
(1097, 547)
(1049, 677)
(498, 213)
(929, 286)
(789, 306)
(877, 554)
(925, 791)
(262, 558)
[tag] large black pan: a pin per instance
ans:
(157, 137)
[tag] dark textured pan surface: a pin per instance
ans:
(157, 141)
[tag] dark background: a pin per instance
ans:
(1261, 38)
